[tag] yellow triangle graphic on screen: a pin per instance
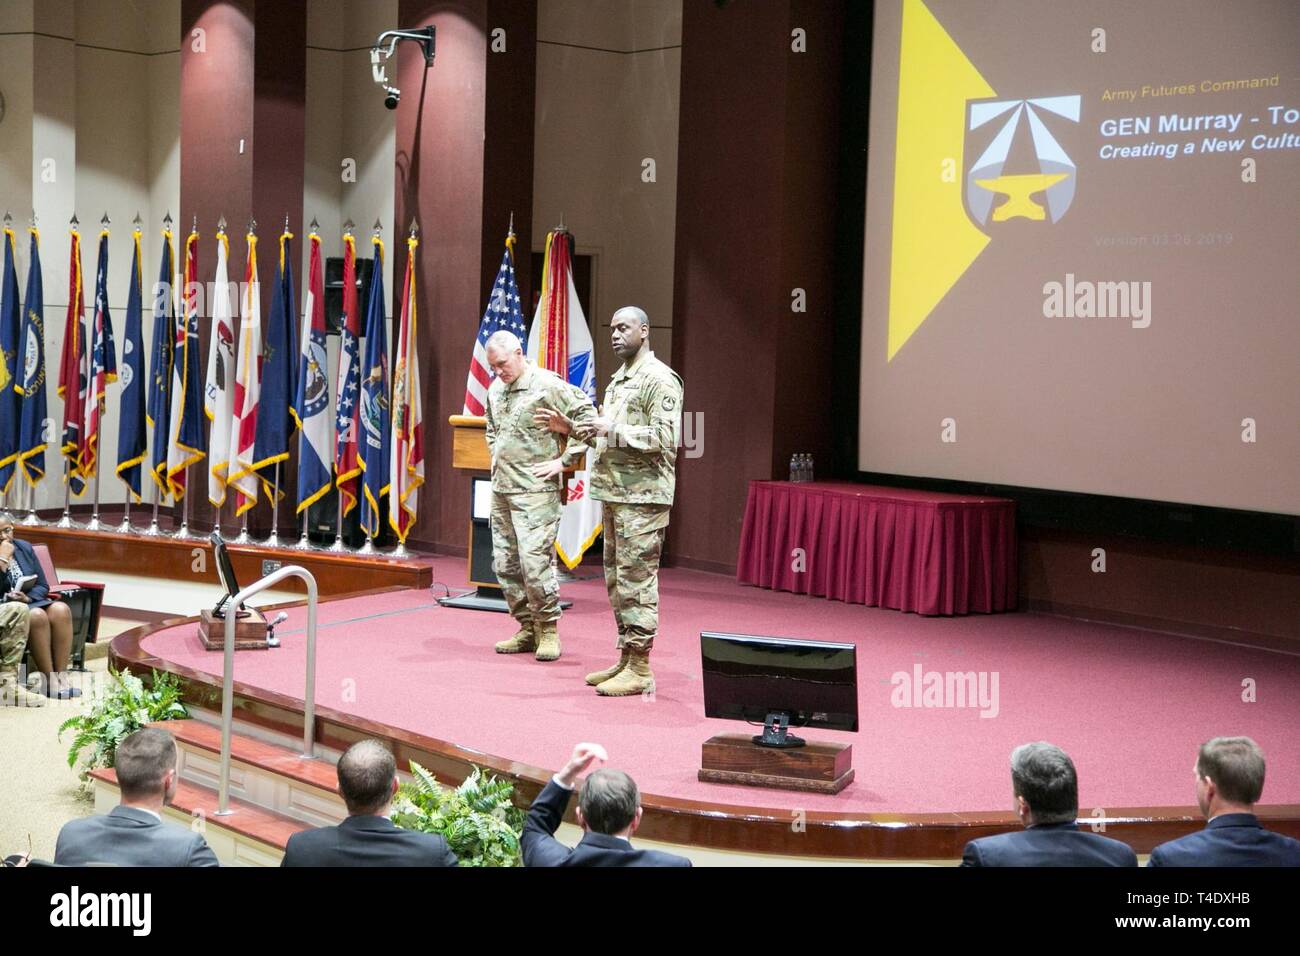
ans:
(934, 241)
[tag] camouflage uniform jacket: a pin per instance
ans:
(517, 443)
(636, 463)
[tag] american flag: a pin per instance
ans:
(102, 357)
(504, 311)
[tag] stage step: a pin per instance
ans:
(261, 773)
(249, 836)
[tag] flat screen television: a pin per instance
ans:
(780, 683)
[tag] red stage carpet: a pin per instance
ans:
(1130, 706)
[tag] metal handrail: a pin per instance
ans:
(228, 674)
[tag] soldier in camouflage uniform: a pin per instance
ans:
(14, 617)
(633, 475)
(527, 489)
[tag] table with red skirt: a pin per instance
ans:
(900, 548)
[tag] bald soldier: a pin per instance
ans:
(527, 489)
(633, 475)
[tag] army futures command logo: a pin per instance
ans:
(1018, 158)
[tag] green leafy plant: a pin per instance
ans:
(123, 708)
(478, 819)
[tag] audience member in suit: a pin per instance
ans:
(367, 781)
(1229, 782)
(134, 834)
(1046, 790)
(49, 632)
(609, 811)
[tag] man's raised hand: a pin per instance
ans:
(550, 419)
(583, 757)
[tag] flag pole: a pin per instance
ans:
(369, 546)
(125, 526)
(8, 513)
(66, 521)
(401, 550)
(94, 523)
(338, 547)
(33, 520)
(243, 537)
(183, 533)
(153, 531)
(274, 540)
(304, 542)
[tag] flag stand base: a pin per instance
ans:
(485, 599)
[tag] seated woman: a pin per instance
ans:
(50, 625)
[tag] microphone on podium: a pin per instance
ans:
(271, 639)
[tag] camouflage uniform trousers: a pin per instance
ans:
(523, 544)
(634, 540)
(14, 618)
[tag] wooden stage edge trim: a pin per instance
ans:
(877, 836)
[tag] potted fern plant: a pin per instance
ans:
(478, 819)
(125, 707)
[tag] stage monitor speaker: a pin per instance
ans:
(480, 554)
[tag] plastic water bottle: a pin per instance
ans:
(802, 469)
(808, 473)
(794, 467)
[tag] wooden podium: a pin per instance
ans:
(814, 767)
(469, 442)
(250, 632)
(469, 451)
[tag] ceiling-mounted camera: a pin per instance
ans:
(380, 53)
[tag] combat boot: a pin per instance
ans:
(634, 678)
(14, 694)
(525, 639)
(599, 677)
(548, 641)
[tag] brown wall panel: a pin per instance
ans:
(755, 219)
(464, 129)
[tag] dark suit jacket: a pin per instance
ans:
(367, 841)
(1052, 844)
(596, 849)
(130, 837)
(1233, 839)
(39, 592)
